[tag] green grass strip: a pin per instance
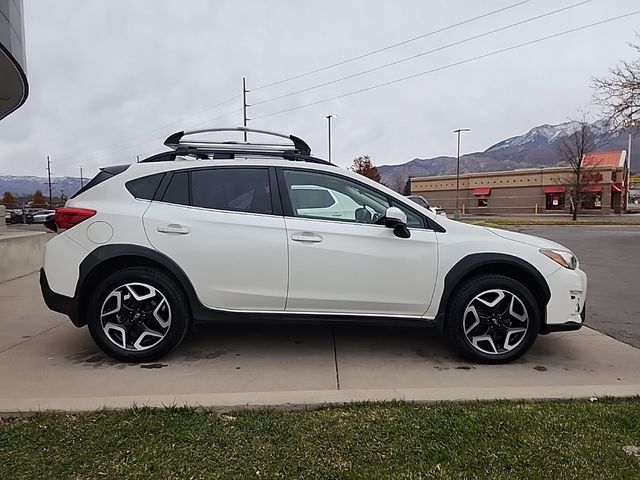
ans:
(502, 440)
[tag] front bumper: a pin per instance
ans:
(57, 302)
(566, 309)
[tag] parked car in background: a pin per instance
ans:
(42, 216)
(18, 216)
(634, 201)
(420, 200)
(231, 229)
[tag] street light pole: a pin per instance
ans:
(329, 117)
(458, 132)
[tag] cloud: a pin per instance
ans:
(102, 74)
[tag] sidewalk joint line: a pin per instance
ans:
(31, 337)
(335, 357)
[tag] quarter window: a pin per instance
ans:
(145, 187)
(233, 189)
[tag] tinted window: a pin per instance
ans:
(145, 187)
(351, 201)
(234, 189)
(178, 189)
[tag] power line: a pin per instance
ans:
(163, 127)
(461, 62)
(422, 54)
(128, 147)
(389, 47)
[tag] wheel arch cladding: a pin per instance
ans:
(494, 263)
(110, 258)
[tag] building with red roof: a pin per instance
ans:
(603, 188)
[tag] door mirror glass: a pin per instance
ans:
(397, 219)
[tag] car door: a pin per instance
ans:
(348, 264)
(223, 227)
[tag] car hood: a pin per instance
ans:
(526, 239)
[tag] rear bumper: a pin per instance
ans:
(57, 302)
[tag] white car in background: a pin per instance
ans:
(229, 229)
(43, 216)
(420, 200)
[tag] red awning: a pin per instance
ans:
(482, 191)
(554, 189)
(592, 188)
(616, 187)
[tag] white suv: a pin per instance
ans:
(235, 229)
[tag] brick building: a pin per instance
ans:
(529, 191)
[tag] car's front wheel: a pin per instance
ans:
(492, 319)
(138, 314)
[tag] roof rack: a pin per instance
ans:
(297, 146)
(298, 150)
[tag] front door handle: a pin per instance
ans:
(174, 228)
(308, 237)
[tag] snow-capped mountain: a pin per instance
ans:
(536, 148)
(26, 185)
(549, 134)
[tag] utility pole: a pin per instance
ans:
(329, 117)
(81, 178)
(627, 183)
(49, 175)
(458, 132)
(244, 106)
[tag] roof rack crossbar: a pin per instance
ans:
(226, 153)
(176, 140)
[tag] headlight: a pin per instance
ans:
(561, 257)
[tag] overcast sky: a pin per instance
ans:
(111, 79)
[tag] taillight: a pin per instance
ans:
(67, 217)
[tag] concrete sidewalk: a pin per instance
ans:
(47, 364)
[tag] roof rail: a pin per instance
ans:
(298, 147)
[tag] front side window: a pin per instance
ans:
(233, 189)
(413, 219)
(329, 197)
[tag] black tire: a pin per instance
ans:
(468, 292)
(177, 306)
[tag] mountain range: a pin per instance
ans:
(536, 148)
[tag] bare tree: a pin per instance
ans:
(619, 93)
(571, 151)
(397, 180)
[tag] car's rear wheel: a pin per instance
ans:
(492, 319)
(138, 314)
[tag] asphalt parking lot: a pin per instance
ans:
(610, 255)
(46, 363)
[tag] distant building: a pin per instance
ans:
(13, 79)
(529, 191)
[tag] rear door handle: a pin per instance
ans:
(174, 228)
(308, 237)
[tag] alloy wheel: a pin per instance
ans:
(495, 321)
(135, 316)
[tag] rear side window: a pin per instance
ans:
(178, 189)
(145, 187)
(233, 189)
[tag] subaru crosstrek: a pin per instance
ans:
(212, 229)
